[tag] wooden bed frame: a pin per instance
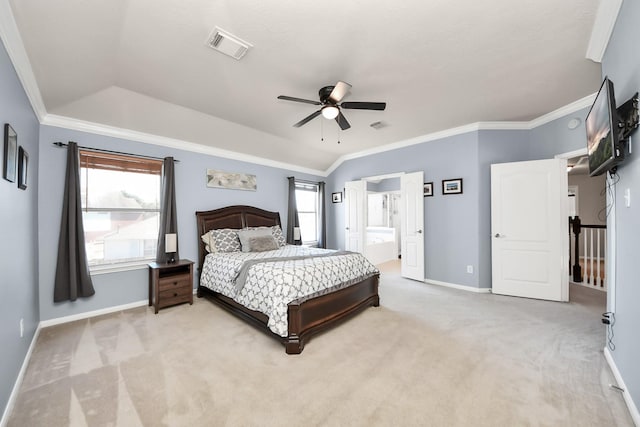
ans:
(308, 315)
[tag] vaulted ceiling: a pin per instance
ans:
(143, 65)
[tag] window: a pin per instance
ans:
(307, 202)
(120, 207)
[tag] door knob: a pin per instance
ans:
(346, 228)
(498, 235)
(419, 231)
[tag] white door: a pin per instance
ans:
(529, 228)
(412, 225)
(356, 215)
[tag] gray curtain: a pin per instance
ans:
(168, 212)
(292, 213)
(72, 270)
(322, 235)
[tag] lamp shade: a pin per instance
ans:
(330, 112)
(170, 242)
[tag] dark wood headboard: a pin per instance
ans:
(236, 217)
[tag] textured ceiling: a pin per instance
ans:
(143, 65)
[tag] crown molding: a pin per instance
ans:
(602, 29)
(15, 48)
(131, 135)
(578, 105)
(561, 112)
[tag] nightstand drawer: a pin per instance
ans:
(175, 293)
(173, 282)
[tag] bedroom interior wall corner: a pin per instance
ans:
(621, 63)
(19, 228)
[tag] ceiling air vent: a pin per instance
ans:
(378, 125)
(227, 43)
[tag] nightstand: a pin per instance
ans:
(170, 283)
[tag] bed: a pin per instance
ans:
(306, 315)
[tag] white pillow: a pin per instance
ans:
(209, 242)
(246, 234)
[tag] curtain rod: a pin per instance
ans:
(100, 150)
(304, 181)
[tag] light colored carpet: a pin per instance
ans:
(427, 356)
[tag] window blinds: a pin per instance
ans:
(117, 162)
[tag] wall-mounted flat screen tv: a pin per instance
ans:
(602, 131)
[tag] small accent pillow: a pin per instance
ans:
(247, 233)
(277, 233)
(261, 244)
(225, 240)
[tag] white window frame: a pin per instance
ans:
(311, 187)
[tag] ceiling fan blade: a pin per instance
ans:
(380, 106)
(306, 101)
(339, 91)
(307, 119)
(342, 121)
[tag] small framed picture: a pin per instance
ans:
(336, 197)
(10, 152)
(452, 186)
(23, 163)
(427, 189)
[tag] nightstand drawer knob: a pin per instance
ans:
(175, 294)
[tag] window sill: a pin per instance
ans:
(115, 268)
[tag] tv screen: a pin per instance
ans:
(602, 131)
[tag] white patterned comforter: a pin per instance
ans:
(270, 286)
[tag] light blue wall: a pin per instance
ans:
(622, 64)
(18, 228)
(191, 193)
(555, 137)
(451, 222)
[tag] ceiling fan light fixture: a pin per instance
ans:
(330, 112)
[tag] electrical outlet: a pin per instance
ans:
(470, 269)
(21, 328)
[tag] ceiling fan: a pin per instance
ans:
(331, 105)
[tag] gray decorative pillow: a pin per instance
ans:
(226, 240)
(262, 243)
(277, 233)
(247, 233)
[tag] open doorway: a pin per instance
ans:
(588, 225)
(410, 235)
(383, 236)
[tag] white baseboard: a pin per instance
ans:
(633, 409)
(460, 287)
(94, 313)
(16, 386)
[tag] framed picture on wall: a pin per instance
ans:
(336, 197)
(452, 186)
(10, 152)
(427, 189)
(23, 163)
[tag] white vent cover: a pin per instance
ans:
(227, 43)
(378, 125)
